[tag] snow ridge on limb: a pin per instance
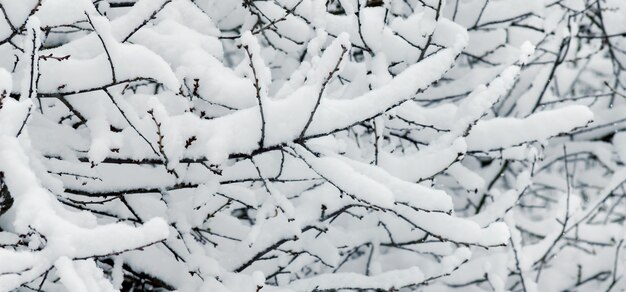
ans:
(536, 127)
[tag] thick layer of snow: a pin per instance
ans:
(500, 133)
(305, 145)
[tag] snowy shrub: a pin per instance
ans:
(312, 145)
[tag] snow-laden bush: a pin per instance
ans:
(312, 145)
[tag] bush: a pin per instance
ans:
(312, 145)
